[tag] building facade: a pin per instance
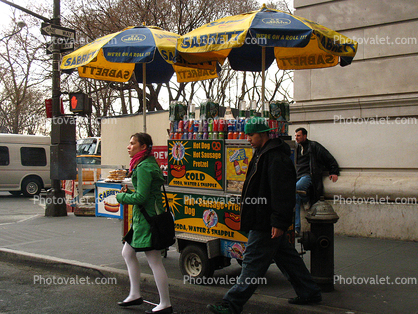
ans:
(366, 115)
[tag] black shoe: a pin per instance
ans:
(303, 301)
(167, 310)
(138, 301)
(219, 308)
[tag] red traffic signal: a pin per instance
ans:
(80, 103)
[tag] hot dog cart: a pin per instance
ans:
(207, 163)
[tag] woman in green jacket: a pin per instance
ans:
(147, 179)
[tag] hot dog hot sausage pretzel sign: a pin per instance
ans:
(196, 164)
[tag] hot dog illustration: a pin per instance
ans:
(178, 171)
(113, 208)
(233, 221)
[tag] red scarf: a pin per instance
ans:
(136, 158)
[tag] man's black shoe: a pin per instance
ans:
(303, 301)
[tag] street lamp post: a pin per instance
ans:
(56, 205)
(62, 155)
(20, 26)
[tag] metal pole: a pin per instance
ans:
(263, 74)
(144, 95)
(56, 206)
(45, 19)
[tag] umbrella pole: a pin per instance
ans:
(263, 74)
(144, 95)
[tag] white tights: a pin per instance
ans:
(134, 271)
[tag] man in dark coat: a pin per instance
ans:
(311, 159)
(267, 202)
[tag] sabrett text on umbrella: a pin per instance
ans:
(105, 72)
(195, 73)
(79, 59)
(210, 39)
(308, 60)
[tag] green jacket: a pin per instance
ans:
(147, 179)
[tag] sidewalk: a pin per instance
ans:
(373, 274)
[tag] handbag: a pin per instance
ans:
(162, 227)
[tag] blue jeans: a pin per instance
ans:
(260, 251)
(302, 184)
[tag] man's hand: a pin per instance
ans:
(333, 177)
(276, 232)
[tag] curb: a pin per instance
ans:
(204, 294)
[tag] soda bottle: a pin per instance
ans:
(180, 126)
(245, 165)
(237, 167)
(210, 125)
(215, 125)
(186, 126)
(221, 126)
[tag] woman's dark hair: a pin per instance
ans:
(143, 138)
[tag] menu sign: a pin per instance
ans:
(196, 164)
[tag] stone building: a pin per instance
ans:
(366, 115)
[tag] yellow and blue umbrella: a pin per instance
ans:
(147, 51)
(252, 41)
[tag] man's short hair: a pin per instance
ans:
(304, 132)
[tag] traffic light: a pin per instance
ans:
(80, 103)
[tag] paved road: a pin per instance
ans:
(28, 289)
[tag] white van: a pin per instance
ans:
(24, 163)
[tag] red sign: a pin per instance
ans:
(48, 107)
(161, 155)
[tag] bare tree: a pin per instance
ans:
(22, 89)
(95, 18)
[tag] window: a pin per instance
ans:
(89, 160)
(4, 156)
(33, 156)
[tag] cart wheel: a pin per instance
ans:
(194, 262)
